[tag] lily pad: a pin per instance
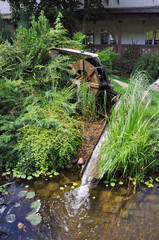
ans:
(29, 177)
(23, 176)
(17, 205)
(34, 218)
(10, 218)
(112, 184)
(30, 195)
(75, 184)
(22, 194)
(56, 173)
(36, 205)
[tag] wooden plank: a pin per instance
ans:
(76, 52)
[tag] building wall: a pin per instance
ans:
(132, 31)
(129, 3)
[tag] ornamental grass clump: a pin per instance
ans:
(129, 148)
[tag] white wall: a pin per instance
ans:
(4, 7)
(130, 3)
(132, 31)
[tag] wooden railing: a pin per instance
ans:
(141, 47)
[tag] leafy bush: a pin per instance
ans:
(124, 64)
(37, 127)
(34, 43)
(150, 63)
(106, 57)
(131, 145)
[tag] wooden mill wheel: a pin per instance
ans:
(88, 73)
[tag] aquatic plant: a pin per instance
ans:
(131, 140)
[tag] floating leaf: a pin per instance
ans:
(53, 170)
(75, 184)
(157, 179)
(51, 176)
(93, 197)
(134, 182)
(121, 183)
(113, 179)
(131, 179)
(48, 173)
(106, 185)
(17, 205)
(36, 205)
(56, 173)
(22, 194)
(10, 218)
(112, 184)
(61, 188)
(106, 181)
(23, 176)
(29, 177)
(4, 174)
(34, 218)
(7, 173)
(20, 225)
(72, 187)
(30, 195)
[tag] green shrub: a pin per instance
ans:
(106, 57)
(124, 64)
(131, 145)
(150, 63)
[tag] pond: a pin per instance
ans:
(49, 208)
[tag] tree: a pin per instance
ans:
(92, 10)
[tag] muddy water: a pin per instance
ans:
(102, 214)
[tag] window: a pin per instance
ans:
(156, 39)
(89, 38)
(152, 37)
(107, 38)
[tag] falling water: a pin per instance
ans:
(77, 200)
(92, 167)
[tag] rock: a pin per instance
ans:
(147, 97)
(81, 161)
(74, 160)
(69, 166)
(155, 86)
(83, 166)
(87, 138)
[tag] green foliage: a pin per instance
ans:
(132, 138)
(5, 32)
(87, 101)
(150, 63)
(106, 57)
(125, 63)
(79, 38)
(38, 127)
(33, 43)
(46, 147)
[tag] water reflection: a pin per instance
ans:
(100, 213)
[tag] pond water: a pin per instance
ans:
(63, 213)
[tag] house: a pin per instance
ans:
(6, 14)
(126, 22)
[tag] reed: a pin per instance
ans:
(128, 148)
